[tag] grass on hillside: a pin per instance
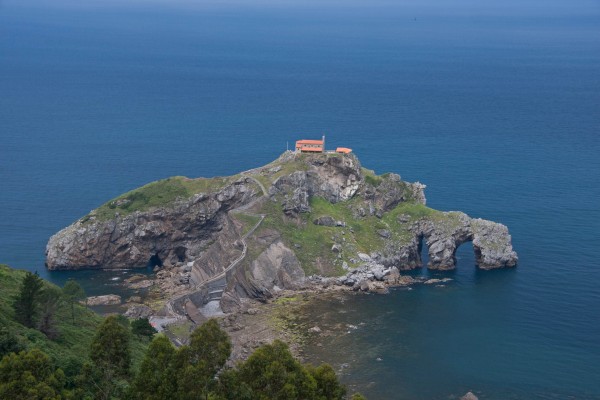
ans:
(246, 220)
(312, 243)
(72, 346)
(157, 194)
(315, 241)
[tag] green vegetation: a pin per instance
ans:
(315, 241)
(26, 302)
(281, 168)
(31, 375)
(157, 194)
(246, 220)
(73, 292)
(96, 358)
(271, 372)
(181, 330)
(372, 178)
(142, 327)
(68, 345)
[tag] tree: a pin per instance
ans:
(199, 362)
(328, 385)
(142, 327)
(73, 292)
(30, 375)
(271, 372)
(111, 358)
(9, 343)
(25, 304)
(156, 379)
(358, 396)
(50, 299)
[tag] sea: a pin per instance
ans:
(495, 106)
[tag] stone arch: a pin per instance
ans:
(491, 242)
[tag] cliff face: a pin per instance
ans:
(267, 228)
(178, 233)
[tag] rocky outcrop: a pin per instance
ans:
(333, 178)
(492, 245)
(276, 268)
(469, 396)
(167, 235)
(136, 311)
(105, 300)
(444, 233)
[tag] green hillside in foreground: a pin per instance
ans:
(91, 358)
(70, 350)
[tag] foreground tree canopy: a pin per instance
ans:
(197, 371)
(51, 347)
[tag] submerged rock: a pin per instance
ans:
(469, 396)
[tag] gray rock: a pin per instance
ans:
(469, 396)
(336, 248)
(325, 220)
(444, 234)
(364, 257)
(137, 311)
(105, 300)
(141, 284)
(384, 233)
(178, 231)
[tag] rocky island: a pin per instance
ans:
(303, 219)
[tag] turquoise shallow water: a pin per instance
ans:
(495, 107)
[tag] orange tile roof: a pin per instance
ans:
(305, 141)
(343, 150)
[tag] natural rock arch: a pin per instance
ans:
(491, 241)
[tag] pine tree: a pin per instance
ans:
(50, 299)
(26, 303)
(73, 292)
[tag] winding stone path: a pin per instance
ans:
(216, 284)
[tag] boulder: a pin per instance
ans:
(105, 300)
(384, 233)
(325, 220)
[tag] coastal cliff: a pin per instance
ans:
(269, 228)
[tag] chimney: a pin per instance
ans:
(323, 143)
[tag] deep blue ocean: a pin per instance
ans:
(494, 105)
